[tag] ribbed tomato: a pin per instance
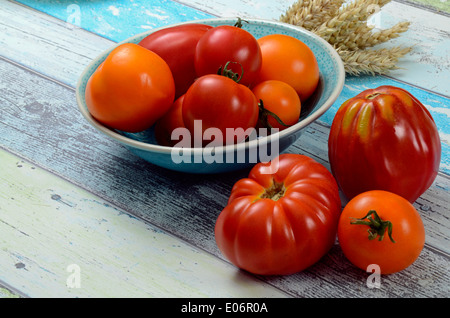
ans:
(280, 222)
(384, 139)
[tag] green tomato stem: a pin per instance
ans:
(224, 71)
(377, 227)
(264, 113)
(238, 24)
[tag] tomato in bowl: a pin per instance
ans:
(253, 149)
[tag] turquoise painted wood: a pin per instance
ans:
(118, 20)
(68, 195)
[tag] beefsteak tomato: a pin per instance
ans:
(131, 89)
(176, 45)
(282, 221)
(382, 228)
(384, 139)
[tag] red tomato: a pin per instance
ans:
(384, 139)
(281, 99)
(176, 45)
(289, 60)
(228, 43)
(221, 103)
(131, 89)
(283, 222)
(382, 228)
(171, 120)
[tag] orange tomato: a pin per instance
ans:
(131, 89)
(382, 228)
(281, 99)
(289, 60)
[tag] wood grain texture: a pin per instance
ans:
(101, 17)
(117, 255)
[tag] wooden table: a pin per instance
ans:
(80, 216)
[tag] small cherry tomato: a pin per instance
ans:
(280, 99)
(226, 43)
(218, 102)
(280, 221)
(131, 89)
(381, 228)
(289, 60)
(176, 45)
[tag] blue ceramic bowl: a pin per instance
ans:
(229, 158)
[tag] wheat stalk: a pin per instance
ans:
(345, 26)
(371, 62)
(309, 14)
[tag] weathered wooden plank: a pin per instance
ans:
(38, 45)
(57, 138)
(119, 19)
(439, 6)
(6, 293)
(53, 231)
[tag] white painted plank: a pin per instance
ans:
(6, 293)
(49, 225)
(38, 45)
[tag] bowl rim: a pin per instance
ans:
(250, 144)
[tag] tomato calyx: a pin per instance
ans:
(264, 116)
(377, 225)
(224, 71)
(275, 192)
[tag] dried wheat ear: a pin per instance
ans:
(345, 26)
